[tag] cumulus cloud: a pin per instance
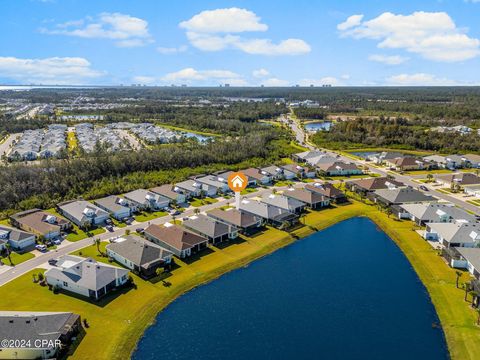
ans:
(389, 60)
(171, 50)
(432, 35)
(232, 20)
(220, 29)
(203, 77)
(260, 73)
(125, 30)
(351, 21)
(419, 79)
(275, 82)
(54, 70)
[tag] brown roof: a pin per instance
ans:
(165, 190)
(325, 189)
(295, 168)
(234, 217)
(253, 173)
(406, 161)
(37, 221)
(375, 183)
(460, 178)
(309, 197)
(176, 236)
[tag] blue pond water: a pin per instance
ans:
(316, 126)
(343, 293)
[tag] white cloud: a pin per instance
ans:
(54, 70)
(275, 82)
(389, 60)
(171, 50)
(232, 20)
(351, 21)
(191, 75)
(260, 73)
(419, 79)
(345, 77)
(215, 30)
(432, 35)
(125, 30)
(267, 47)
(327, 80)
(144, 80)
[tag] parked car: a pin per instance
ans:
(42, 248)
(140, 230)
(109, 228)
(174, 212)
(423, 187)
(128, 221)
(52, 262)
(109, 222)
(57, 242)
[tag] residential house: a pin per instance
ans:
(190, 188)
(271, 214)
(275, 172)
(473, 160)
(473, 190)
(287, 203)
(116, 206)
(40, 223)
(467, 258)
(212, 185)
(171, 192)
(85, 276)
(313, 200)
(304, 156)
(83, 213)
(215, 231)
(142, 256)
(147, 200)
(327, 190)
(294, 171)
(322, 159)
(399, 196)
(456, 161)
(407, 163)
(257, 176)
(461, 179)
(365, 186)
(17, 239)
(339, 168)
(244, 222)
(438, 161)
(40, 332)
(176, 239)
(424, 213)
(454, 234)
(384, 156)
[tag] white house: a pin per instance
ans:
(18, 239)
(85, 276)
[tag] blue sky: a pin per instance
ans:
(159, 42)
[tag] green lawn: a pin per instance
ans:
(117, 322)
(148, 216)
(18, 258)
(248, 191)
(474, 202)
(426, 172)
(283, 183)
(200, 202)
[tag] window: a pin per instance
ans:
(65, 284)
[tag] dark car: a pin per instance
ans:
(140, 230)
(52, 262)
(109, 222)
(109, 228)
(423, 187)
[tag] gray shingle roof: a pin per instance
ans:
(234, 217)
(403, 195)
(472, 255)
(113, 203)
(434, 211)
(139, 251)
(207, 226)
(85, 272)
(13, 234)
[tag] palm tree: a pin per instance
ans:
(429, 177)
(196, 211)
(9, 251)
(97, 243)
(389, 212)
(459, 274)
(466, 286)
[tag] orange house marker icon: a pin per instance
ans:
(237, 181)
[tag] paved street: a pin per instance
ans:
(5, 146)
(38, 261)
